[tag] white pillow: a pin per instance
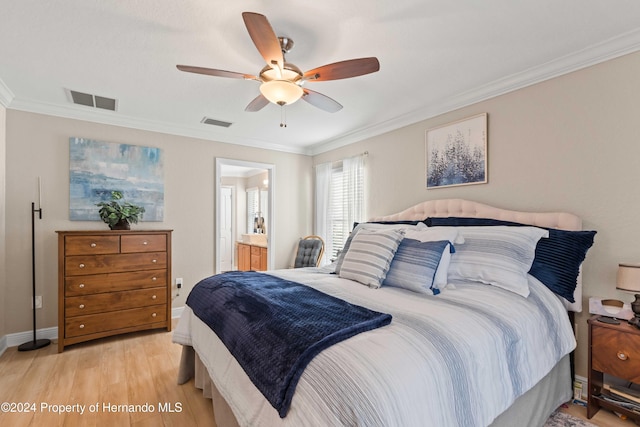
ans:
(369, 256)
(500, 256)
(433, 235)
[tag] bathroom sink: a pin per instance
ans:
(255, 239)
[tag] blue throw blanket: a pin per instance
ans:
(274, 327)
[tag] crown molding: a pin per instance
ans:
(115, 119)
(6, 96)
(595, 54)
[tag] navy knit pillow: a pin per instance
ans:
(558, 257)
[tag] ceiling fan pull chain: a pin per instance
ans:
(283, 117)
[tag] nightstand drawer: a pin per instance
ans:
(617, 354)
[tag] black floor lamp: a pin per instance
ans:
(35, 344)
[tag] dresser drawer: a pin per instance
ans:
(93, 323)
(91, 245)
(99, 283)
(96, 264)
(616, 354)
(144, 243)
(113, 301)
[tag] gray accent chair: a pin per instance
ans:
(309, 253)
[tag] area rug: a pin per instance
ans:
(562, 419)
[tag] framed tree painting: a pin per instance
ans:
(456, 153)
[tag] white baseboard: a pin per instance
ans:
(18, 338)
(176, 312)
(3, 345)
(12, 340)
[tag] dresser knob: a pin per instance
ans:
(81, 266)
(81, 326)
(154, 297)
(81, 285)
(93, 245)
(154, 278)
(145, 243)
(153, 315)
(622, 356)
(81, 306)
(154, 261)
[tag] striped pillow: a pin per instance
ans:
(415, 264)
(499, 256)
(369, 256)
(373, 226)
(558, 258)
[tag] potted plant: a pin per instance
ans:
(119, 214)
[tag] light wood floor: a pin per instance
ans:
(132, 369)
(138, 368)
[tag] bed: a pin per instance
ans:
(466, 353)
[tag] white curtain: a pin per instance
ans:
(337, 210)
(353, 190)
(322, 218)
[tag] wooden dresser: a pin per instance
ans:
(112, 282)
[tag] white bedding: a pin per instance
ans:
(456, 359)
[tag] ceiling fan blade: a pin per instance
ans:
(321, 101)
(343, 69)
(264, 38)
(257, 104)
(214, 72)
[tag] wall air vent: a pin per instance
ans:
(214, 122)
(95, 101)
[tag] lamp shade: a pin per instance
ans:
(628, 277)
(281, 92)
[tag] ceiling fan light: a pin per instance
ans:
(281, 92)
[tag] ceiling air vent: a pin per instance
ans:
(214, 122)
(93, 100)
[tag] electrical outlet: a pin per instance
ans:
(38, 301)
(178, 282)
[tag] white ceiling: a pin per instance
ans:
(435, 56)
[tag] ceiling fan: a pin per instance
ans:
(282, 82)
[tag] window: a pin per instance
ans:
(338, 222)
(339, 201)
(256, 210)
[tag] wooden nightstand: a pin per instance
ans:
(613, 350)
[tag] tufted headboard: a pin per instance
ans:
(467, 208)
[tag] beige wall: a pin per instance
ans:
(3, 205)
(568, 144)
(38, 145)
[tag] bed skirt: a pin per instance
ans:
(535, 405)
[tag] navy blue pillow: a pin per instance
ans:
(558, 258)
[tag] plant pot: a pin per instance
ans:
(123, 224)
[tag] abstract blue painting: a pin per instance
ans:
(97, 167)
